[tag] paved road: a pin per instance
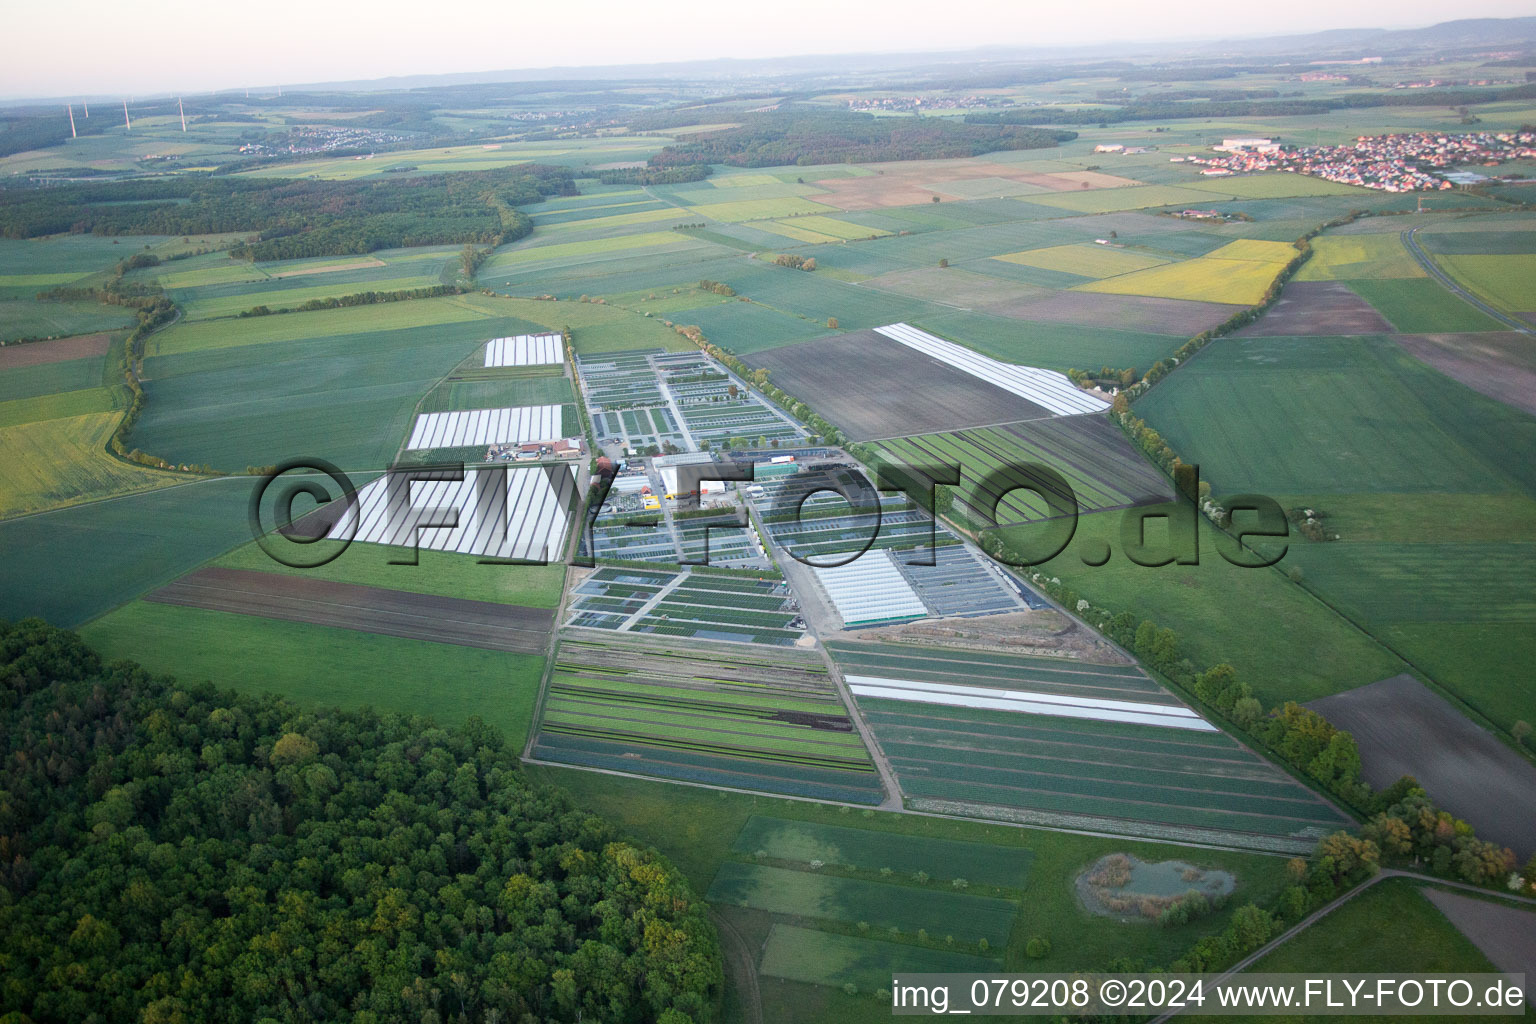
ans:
(1322, 912)
(1433, 269)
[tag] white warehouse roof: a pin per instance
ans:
(1046, 388)
(524, 350)
(870, 589)
(1028, 702)
(526, 519)
(476, 427)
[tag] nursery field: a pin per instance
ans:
(1141, 780)
(1099, 465)
(723, 716)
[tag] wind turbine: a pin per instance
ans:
(72, 133)
(127, 124)
(182, 112)
(87, 107)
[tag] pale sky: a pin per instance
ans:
(72, 47)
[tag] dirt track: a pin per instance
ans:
(448, 620)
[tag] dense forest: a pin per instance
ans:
(295, 218)
(806, 136)
(676, 175)
(174, 853)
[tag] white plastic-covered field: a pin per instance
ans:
(524, 350)
(498, 512)
(1028, 702)
(474, 427)
(1046, 388)
(870, 589)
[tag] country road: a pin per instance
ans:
(1434, 271)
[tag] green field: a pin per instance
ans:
(1254, 619)
(319, 665)
(1094, 261)
(56, 406)
(593, 247)
(472, 158)
(822, 958)
(222, 300)
(1505, 281)
(31, 318)
(347, 398)
(1275, 186)
(622, 219)
(940, 911)
(781, 839)
(1357, 415)
(1423, 307)
(1390, 928)
(117, 548)
(697, 829)
(321, 324)
(760, 209)
(56, 462)
(1389, 452)
(1204, 279)
(437, 572)
(46, 379)
(1359, 257)
(1135, 197)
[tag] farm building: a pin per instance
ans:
(1256, 144)
(1046, 388)
(870, 589)
(667, 466)
(1167, 716)
(499, 512)
(478, 427)
(524, 350)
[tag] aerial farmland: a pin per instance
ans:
(989, 517)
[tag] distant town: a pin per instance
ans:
(1412, 162)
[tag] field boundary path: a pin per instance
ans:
(1323, 911)
(742, 965)
(892, 801)
(1433, 269)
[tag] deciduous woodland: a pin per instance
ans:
(175, 853)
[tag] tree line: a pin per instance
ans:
(181, 853)
(805, 136)
(296, 218)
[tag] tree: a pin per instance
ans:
(943, 261)
(832, 322)
(309, 859)
(935, 199)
